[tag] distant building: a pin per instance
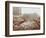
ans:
(16, 11)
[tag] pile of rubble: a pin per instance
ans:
(22, 23)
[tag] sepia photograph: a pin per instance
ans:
(26, 18)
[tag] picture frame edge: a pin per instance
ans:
(7, 11)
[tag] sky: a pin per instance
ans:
(30, 10)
